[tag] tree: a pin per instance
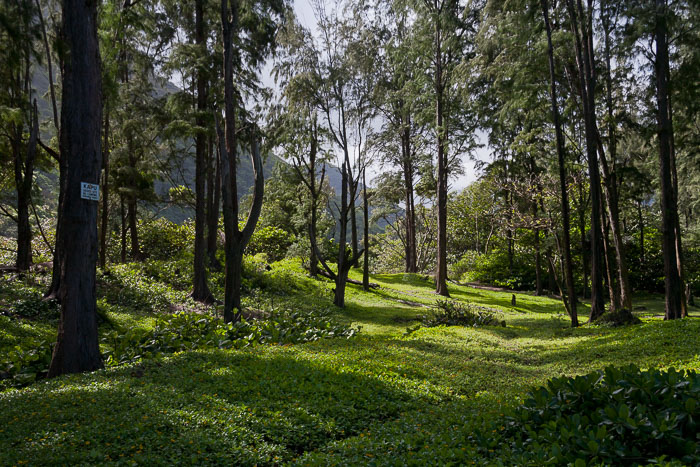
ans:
(77, 347)
(672, 273)
(19, 120)
(252, 33)
(561, 162)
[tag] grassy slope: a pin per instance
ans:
(381, 397)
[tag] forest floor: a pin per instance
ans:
(391, 395)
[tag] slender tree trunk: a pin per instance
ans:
(236, 240)
(213, 203)
(133, 230)
(341, 277)
(561, 159)
(200, 289)
(411, 265)
(104, 225)
(122, 212)
(583, 43)
(24, 176)
(441, 270)
(641, 232)
(353, 224)
(669, 208)
(77, 348)
(365, 272)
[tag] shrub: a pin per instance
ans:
(25, 364)
(618, 416)
(272, 241)
(189, 331)
(493, 268)
(454, 313)
(163, 239)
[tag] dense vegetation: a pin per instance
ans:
(231, 235)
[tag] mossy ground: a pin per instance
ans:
(384, 397)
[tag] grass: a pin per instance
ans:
(384, 397)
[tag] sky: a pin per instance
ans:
(306, 18)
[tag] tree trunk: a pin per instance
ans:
(105, 192)
(583, 43)
(24, 176)
(122, 256)
(341, 278)
(235, 239)
(213, 203)
(77, 347)
(411, 263)
(133, 230)
(669, 208)
(200, 289)
(561, 159)
(365, 272)
(441, 270)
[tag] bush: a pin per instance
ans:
(453, 313)
(25, 364)
(162, 239)
(616, 416)
(493, 268)
(272, 241)
(189, 331)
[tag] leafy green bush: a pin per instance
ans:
(493, 268)
(34, 307)
(162, 239)
(272, 241)
(25, 364)
(454, 313)
(189, 331)
(618, 416)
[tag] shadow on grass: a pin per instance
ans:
(215, 407)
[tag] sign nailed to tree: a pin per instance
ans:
(89, 191)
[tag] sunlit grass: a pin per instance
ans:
(385, 396)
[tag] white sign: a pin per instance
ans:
(89, 191)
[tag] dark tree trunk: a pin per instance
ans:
(365, 272)
(561, 159)
(213, 203)
(133, 230)
(583, 43)
(24, 175)
(122, 212)
(104, 226)
(235, 239)
(341, 279)
(669, 208)
(77, 348)
(441, 269)
(200, 289)
(353, 224)
(411, 263)
(641, 232)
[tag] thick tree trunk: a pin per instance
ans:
(669, 208)
(77, 348)
(200, 289)
(561, 159)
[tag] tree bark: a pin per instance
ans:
(200, 288)
(669, 208)
(365, 272)
(104, 225)
(561, 159)
(77, 347)
(235, 239)
(441, 270)
(583, 44)
(133, 230)
(411, 263)
(24, 177)
(213, 203)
